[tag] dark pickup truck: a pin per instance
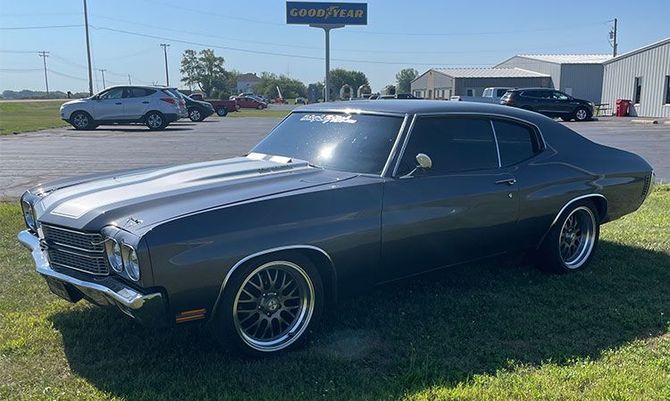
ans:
(222, 107)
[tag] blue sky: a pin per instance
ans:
(399, 34)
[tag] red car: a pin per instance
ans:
(222, 107)
(248, 102)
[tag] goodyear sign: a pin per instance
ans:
(326, 13)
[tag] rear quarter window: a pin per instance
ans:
(516, 142)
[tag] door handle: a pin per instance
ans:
(145, 102)
(508, 181)
(118, 103)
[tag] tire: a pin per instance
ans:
(566, 118)
(81, 120)
(572, 241)
(282, 289)
(155, 121)
(221, 111)
(260, 107)
(581, 114)
(195, 115)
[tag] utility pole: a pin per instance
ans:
(613, 40)
(326, 29)
(167, 76)
(102, 70)
(129, 81)
(44, 56)
(88, 52)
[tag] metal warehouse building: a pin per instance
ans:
(442, 83)
(579, 75)
(642, 76)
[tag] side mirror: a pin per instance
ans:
(424, 162)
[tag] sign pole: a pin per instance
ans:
(326, 28)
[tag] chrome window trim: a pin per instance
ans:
(257, 254)
(394, 149)
(491, 116)
(404, 145)
(495, 139)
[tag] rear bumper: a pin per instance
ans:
(149, 309)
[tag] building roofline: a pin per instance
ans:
(528, 57)
(639, 50)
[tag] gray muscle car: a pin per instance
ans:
(337, 197)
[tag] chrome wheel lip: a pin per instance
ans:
(581, 114)
(297, 327)
(587, 237)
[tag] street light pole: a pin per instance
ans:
(103, 78)
(167, 76)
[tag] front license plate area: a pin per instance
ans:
(63, 290)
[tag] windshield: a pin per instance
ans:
(347, 142)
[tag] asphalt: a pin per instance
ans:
(30, 158)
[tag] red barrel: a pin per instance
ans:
(622, 107)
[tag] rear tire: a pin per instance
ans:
(572, 241)
(81, 120)
(221, 111)
(269, 304)
(260, 107)
(155, 121)
(195, 115)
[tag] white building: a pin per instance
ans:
(642, 76)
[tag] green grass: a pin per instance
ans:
(16, 117)
(500, 330)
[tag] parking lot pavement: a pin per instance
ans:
(28, 159)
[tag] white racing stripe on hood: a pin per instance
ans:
(76, 201)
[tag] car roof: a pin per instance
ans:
(531, 89)
(410, 106)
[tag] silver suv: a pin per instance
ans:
(152, 106)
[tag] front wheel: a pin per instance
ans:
(268, 306)
(581, 114)
(155, 121)
(81, 120)
(260, 107)
(572, 241)
(195, 115)
(221, 111)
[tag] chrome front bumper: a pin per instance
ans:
(148, 309)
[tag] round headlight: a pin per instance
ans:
(132, 264)
(114, 255)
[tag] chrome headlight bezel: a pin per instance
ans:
(114, 255)
(131, 262)
(29, 217)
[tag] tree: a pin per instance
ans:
(315, 92)
(404, 78)
(290, 88)
(205, 70)
(339, 77)
(389, 90)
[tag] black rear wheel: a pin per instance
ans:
(221, 111)
(195, 115)
(155, 121)
(581, 114)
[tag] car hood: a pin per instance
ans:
(73, 102)
(137, 200)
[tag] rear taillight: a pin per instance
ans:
(169, 100)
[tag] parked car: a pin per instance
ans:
(183, 107)
(550, 102)
(221, 107)
(198, 110)
(249, 102)
(155, 107)
(300, 100)
(330, 201)
(489, 95)
(398, 96)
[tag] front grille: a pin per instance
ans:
(76, 250)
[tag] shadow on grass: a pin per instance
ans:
(438, 329)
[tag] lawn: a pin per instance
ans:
(500, 330)
(16, 117)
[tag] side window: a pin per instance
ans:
(140, 92)
(516, 142)
(559, 95)
(454, 144)
(501, 92)
(116, 93)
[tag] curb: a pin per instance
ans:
(644, 121)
